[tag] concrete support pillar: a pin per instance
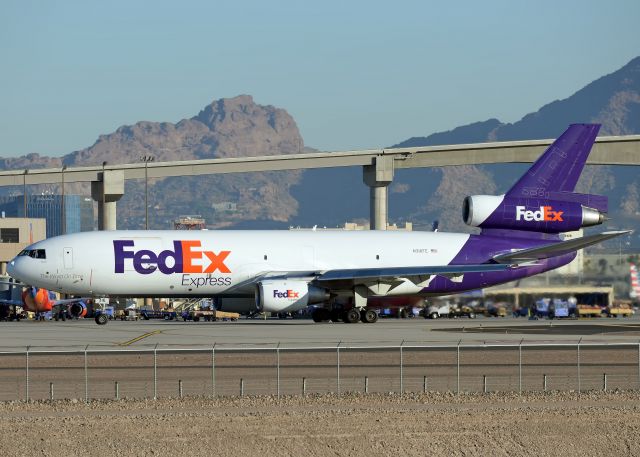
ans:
(378, 176)
(107, 192)
(378, 208)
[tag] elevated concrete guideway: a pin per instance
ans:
(378, 167)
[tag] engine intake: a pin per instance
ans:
(531, 214)
(281, 296)
(78, 309)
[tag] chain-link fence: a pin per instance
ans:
(92, 373)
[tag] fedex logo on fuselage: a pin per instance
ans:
(545, 213)
(186, 257)
(286, 294)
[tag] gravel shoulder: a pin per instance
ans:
(356, 425)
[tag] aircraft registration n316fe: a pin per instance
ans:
(284, 271)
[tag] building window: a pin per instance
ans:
(9, 235)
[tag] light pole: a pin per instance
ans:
(102, 197)
(146, 159)
(63, 225)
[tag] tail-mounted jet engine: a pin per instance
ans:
(280, 296)
(534, 214)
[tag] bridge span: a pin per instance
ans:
(107, 180)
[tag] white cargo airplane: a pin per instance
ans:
(287, 271)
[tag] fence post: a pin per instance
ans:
(484, 383)
(366, 384)
(50, 391)
(86, 376)
(241, 387)
(213, 370)
(180, 388)
(544, 382)
(458, 368)
(278, 368)
(155, 372)
(304, 387)
(424, 385)
(117, 387)
(520, 366)
(401, 370)
(578, 364)
(338, 366)
(604, 382)
(26, 384)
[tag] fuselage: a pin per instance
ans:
(210, 263)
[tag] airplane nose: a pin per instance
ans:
(12, 269)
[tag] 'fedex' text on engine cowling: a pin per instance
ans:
(545, 213)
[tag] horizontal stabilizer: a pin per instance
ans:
(599, 202)
(364, 274)
(555, 249)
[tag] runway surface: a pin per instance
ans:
(293, 333)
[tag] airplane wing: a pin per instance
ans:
(373, 274)
(555, 249)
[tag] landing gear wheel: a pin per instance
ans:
(369, 316)
(352, 316)
(101, 319)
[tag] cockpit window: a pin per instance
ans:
(34, 253)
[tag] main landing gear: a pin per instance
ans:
(350, 316)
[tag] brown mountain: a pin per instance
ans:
(613, 101)
(240, 127)
(234, 127)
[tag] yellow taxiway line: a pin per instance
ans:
(138, 338)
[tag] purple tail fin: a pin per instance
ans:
(559, 168)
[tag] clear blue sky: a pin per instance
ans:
(354, 74)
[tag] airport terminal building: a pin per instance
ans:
(78, 211)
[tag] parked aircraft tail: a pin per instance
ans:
(634, 292)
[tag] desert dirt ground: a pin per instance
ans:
(500, 424)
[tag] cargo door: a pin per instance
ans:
(67, 255)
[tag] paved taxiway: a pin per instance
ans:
(291, 333)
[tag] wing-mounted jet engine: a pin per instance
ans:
(285, 296)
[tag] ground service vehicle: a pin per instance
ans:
(147, 314)
(437, 311)
(456, 311)
(209, 315)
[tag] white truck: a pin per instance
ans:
(437, 311)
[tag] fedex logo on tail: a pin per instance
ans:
(187, 256)
(545, 213)
(286, 294)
